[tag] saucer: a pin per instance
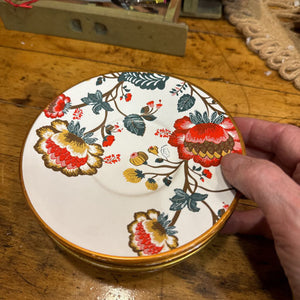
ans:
(123, 170)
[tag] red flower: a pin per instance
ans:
(77, 114)
(112, 159)
(204, 142)
(163, 132)
(207, 173)
(150, 104)
(58, 107)
(150, 233)
(159, 105)
(108, 140)
(128, 97)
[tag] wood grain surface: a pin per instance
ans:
(35, 69)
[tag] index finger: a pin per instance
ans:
(283, 140)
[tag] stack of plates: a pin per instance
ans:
(123, 170)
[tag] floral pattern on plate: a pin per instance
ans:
(83, 137)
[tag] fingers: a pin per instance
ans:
(248, 222)
(264, 182)
(280, 139)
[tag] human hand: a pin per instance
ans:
(269, 175)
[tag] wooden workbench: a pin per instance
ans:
(34, 69)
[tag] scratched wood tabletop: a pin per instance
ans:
(34, 69)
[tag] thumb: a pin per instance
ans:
(265, 183)
(278, 196)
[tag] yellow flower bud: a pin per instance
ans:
(133, 175)
(138, 158)
(151, 184)
(153, 150)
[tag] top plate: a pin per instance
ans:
(128, 164)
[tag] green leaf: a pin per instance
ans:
(198, 197)
(76, 128)
(219, 119)
(192, 201)
(159, 160)
(221, 212)
(90, 141)
(87, 100)
(88, 134)
(81, 132)
(106, 106)
(148, 81)
(192, 206)
(71, 126)
(145, 109)
(185, 102)
(167, 181)
(96, 101)
(206, 118)
(109, 128)
(95, 97)
(135, 124)
(149, 117)
(213, 116)
(180, 200)
(100, 80)
(196, 118)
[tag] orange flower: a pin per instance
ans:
(150, 233)
(65, 148)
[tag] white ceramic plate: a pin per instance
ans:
(128, 164)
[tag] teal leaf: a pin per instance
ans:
(96, 108)
(88, 135)
(197, 169)
(219, 119)
(196, 118)
(213, 117)
(90, 141)
(81, 132)
(86, 100)
(198, 197)
(159, 160)
(167, 181)
(171, 230)
(192, 206)
(106, 106)
(206, 118)
(221, 212)
(164, 222)
(149, 117)
(76, 128)
(148, 81)
(135, 124)
(71, 126)
(145, 109)
(185, 102)
(97, 101)
(192, 201)
(100, 80)
(179, 200)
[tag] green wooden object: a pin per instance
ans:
(208, 9)
(153, 32)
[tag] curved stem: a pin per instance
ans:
(185, 188)
(214, 216)
(196, 183)
(177, 214)
(119, 109)
(162, 166)
(101, 126)
(78, 106)
(213, 191)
